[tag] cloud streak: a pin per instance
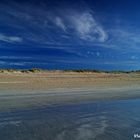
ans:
(60, 24)
(10, 39)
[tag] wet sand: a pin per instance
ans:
(26, 90)
(106, 120)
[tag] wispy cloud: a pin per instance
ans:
(43, 25)
(16, 57)
(87, 27)
(125, 38)
(59, 23)
(10, 39)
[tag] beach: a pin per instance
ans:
(28, 90)
(58, 105)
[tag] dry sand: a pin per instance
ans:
(25, 90)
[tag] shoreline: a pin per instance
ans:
(20, 91)
(31, 99)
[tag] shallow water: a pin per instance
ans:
(110, 120)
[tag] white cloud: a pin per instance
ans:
(10, 39)
(80, 25)
(59, 23)
(87, 27)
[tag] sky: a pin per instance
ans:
(70, 34)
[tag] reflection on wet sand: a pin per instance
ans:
(108, 120)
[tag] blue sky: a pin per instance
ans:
(52, 34)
